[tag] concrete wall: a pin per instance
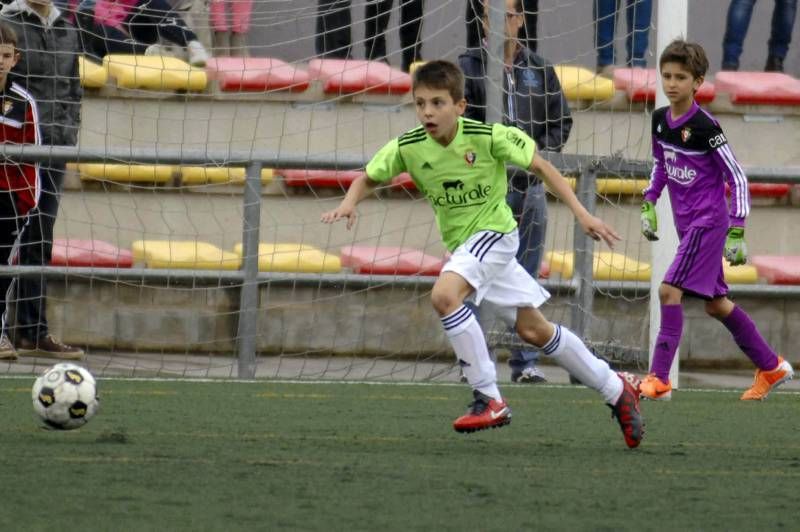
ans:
(386, 320)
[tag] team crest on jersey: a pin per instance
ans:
(658, 128)
(685, 134)
(7, 105)
(470, 158)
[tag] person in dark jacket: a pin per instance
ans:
(48, 69)
(534, 103)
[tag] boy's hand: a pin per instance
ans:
(735, 247)
(649, 221)
(597, 229)
(342, 211)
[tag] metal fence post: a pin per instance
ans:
(584, 255)
(248, 305)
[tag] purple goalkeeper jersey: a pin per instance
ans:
(692, 158)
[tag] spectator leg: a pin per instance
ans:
(333, 29)
(376, 15)
(36, 249)
(474, 22)
(411, 31)
(9, 225)
(638, 15)
(605, 16)
(738, 22)
(156, 20)
(782, 25)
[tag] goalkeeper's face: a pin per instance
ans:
(679, 83)
(438, 113)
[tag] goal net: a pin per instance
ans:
(188, 241)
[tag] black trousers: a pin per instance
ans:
(36, 249)
(377, 14)
(10, 223)
(334, 38)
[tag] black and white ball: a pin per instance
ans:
(65, 396)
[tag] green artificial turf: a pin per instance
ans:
(285, 456)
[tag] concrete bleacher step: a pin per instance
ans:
(89, 253)
(256, 74)
(298, 258)
(183, 254)
(390, 260)
(155, 73)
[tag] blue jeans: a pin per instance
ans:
(530, 210)
(637, 15)
(739, 14)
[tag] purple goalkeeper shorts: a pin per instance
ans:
(697, 267)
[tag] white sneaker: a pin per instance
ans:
(7, 351)
(155, 49)
(198, 56)
(529, 375)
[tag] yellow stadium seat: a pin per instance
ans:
(580, 83)
(745, 274)
(93, 76)
(300, 258)
(126, 173)
(201, 175)
(156, 72)
(183, 255)
(415, 65)
(607, 266)
(617, 187)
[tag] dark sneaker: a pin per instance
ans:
(48, 347)
(531, 375)
(774, 64)
(627, 410)
(484, 413)
(7, 351)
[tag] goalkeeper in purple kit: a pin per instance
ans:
(693, 160)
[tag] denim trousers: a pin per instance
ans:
(738, 22)
(637, 14)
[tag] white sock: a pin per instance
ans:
(569, 352)
(469, 343)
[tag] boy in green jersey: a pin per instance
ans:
(459, 165)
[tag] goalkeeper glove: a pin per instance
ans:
(649, 221)
(735, 248)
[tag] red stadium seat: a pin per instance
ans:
(385, 260)
(348, 76)
(257, 74)
(765, 190)
(320, 178)
(765, 88)
(95, 253)
(640, 85)
(404, 181)
(777, 269)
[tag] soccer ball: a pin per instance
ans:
(65, 396)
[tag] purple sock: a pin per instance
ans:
(746, 335)
(669, 336)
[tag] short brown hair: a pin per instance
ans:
(689, 54)
(8, 35)
(442, 75)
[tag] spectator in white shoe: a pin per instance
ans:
(135, 27)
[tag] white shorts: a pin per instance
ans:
(488, 262)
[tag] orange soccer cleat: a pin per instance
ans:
(766, 381)
(654, 388)
(484, 413)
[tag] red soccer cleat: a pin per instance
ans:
(484, 413)
(626, 410)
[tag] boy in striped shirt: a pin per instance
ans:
(693, 160)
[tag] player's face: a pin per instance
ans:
(8, 58)
(679, 84)
(438, 113)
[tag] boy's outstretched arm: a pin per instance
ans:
(360, 189)
(592, 225)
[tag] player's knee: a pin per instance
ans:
(533, 333)
(443, 301)
(669, 295)
(719, 308)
